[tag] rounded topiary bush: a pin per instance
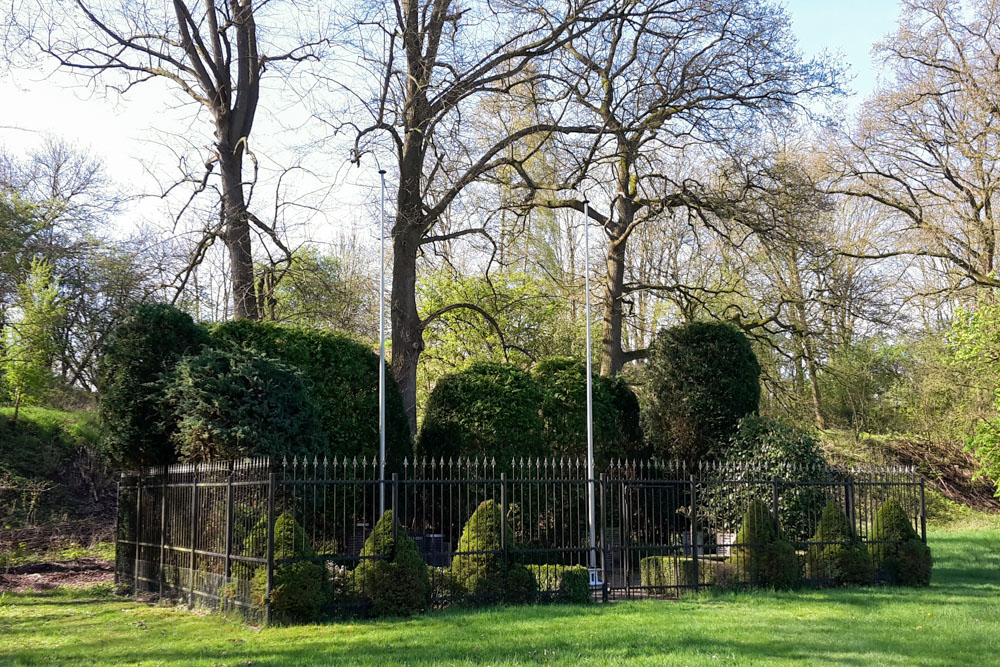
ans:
(563, 410)
(837, 556)
(230, 404)
(700, 380)
(150, 339)
(759, 557)
(391, 572)
(899, 555)
(564, 583)
(485, 410)
(342, 377)
(765, 448)
(299, 590)
(478, 566)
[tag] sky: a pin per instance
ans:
(34, 104)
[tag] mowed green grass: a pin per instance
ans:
(956, 621)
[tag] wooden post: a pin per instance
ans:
(271, 480)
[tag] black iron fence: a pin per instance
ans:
(205, 534)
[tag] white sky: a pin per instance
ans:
(33, 105)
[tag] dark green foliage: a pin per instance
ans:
(563, 383)
(485, 410)
(760, 558)
(230, 404)
(520, 586)
(900, 556)
(342, 377)
(700, 380)
(844, 563)
(765, 448)
(564, 583)
(482, 573)
(444, 585)
(299, 589)
(668, 571)
(149, 341)
(391, 573)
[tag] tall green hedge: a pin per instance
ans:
(149, 341)
(342, 376)
(485, 410)
(700, 380)
(230, 404)
(563, 410)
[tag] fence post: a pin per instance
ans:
(604, 520)
(395, 507)
(849, 501)
(194, 529)
(229, 526)
(271, 478)
(118, 528)
(503, 521)
(694, 532)
(774, 505)
(163, 527)
(923, 513)
(138, 532)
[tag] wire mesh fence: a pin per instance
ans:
(225, 535)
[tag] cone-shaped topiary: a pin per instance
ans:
(836, 555)
(478, 566)
(299, 589)
(760, 558)
(900, 556)
(391, 572)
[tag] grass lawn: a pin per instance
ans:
(956, 621)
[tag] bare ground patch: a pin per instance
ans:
(35, 577)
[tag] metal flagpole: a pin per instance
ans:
(590, 402)
(381, 355)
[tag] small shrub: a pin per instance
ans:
(564, 583)
(760, 558)
(779, 566)
(700, 380)
(899, 554)
(669, 571)
(445, 587)
(482, 574)
(520, 586)
(487, 409)
(391, 572)
(844, 563)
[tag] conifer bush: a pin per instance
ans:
(483, 573)
(900, 556)
(299, 590)
(391, 572)
(846, 561)
(760, 557)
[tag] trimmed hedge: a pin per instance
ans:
(150, 339)
(232, 404)
(700, 380)
(760, 558)
(391, 572)
(342, 377)
(900, 556)
(668, 571)
(487, 409)
(846, 563)
(564, 583)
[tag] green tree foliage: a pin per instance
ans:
(837, 555)
(701, 379)
(899, 555)
(391, 572)
(855, 382)
(487, 409)
(765, 448)
(230, 404)
(760, 558)
(342, 377)
(134, 419)
(29, 343)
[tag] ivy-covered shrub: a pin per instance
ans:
(479, 566)
(564, 583)
(759, 557)
(148, 342)
(487, 409)
(391, 572)
(299, 590)
(700, 380)
(668, 571)
(342, 378)
(899, 555)
(761, 449)
(837, 556)
(230, 404)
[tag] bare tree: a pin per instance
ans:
(212, 53)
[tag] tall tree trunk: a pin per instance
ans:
(237, 233)
(612, 354)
